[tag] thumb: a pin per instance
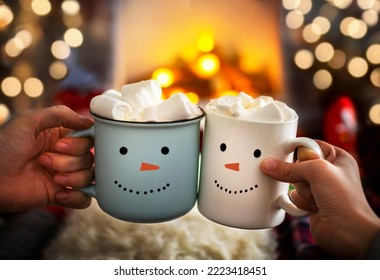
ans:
(283, 171)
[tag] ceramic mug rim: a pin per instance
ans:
(149, 123)
(219, 115)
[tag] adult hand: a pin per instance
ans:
(38, 161)
(341, 220)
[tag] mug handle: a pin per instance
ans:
(283, 201)
(89, 132)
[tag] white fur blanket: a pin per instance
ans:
(92, 234)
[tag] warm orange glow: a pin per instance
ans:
(207, 65)
(164, 76)
(193, 97)
(228, 92)
(206, 42)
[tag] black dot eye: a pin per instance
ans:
(165, 150)
(223, 147)
(257, 153)
(123, 151)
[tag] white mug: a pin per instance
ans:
(233, 190)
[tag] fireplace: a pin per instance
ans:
(202, 48)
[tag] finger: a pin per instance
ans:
(73, 199)
(306, 154)
(57, 116)
(65, 163)
(299, 172)
(304, 190)
(303, 202)
(328, 150)
(74, 146)
(75, 179)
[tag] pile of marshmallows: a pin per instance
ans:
(142, 101)
(244, 106)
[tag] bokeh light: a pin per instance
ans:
(370, 17)
(375, 77)
(294, 19)
(58, 70)
(26, 38)
(374, 114)
(322, 79)
(324, 52)
(6, 16)
(33, 87)
(41, 7)
(355, 28)
(14, 47)
(164, 76)
(193, 97)
(341, 4)
(357, 67)
(323, 24)
(73, 37)
(206, 41)
(207, 65)
(305, 6)
(338, 60)
(70, 7)
(11, 86)
(291, 4)
(373, 54)
(304, 59)
(366, 4)
(311, 33)
(4, 113)
(60, 49)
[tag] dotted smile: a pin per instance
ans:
(241, 191)
(146, 192)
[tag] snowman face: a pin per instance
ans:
(235, 168)
(156, 167)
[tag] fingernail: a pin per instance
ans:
(61, 196)
(62, 147)
(45, 160)
(269, 164)
(85, 119)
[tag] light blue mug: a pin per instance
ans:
(145, 172)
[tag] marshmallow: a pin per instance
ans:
(246, 99)
(224, 104)
(112, 93)
(110, 107)
(177, 107)
(287, 112)
(261, 101)
(268, 113)
(237, 110)
(142, 94)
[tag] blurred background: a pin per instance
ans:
(321, 57)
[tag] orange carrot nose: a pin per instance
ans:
(148, 167)
(233, 166)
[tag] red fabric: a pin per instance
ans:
(341, 125)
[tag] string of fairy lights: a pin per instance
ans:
(338, 35)
(23, 79)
